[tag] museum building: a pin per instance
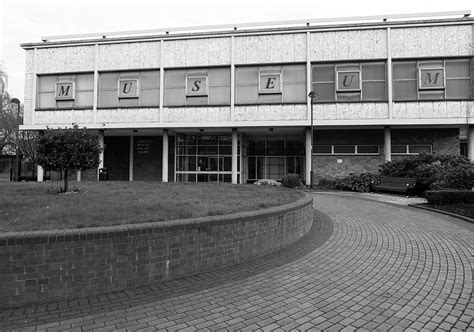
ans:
(238, 103)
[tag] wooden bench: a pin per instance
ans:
(395, 184)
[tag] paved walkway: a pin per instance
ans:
(365, 265)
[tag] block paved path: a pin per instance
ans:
(365, 265)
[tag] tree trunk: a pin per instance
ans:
(65, 181)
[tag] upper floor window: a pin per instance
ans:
(65, 91)
(129, 89)
(270, 84)
(193, 87)
(431, 79)
(360, 81)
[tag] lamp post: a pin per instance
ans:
(313, 97)
(17, 170)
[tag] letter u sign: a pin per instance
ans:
(348, 80)
(128, 88)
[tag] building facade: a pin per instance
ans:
(231, 104)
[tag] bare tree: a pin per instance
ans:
(8, 125)
(28, 141)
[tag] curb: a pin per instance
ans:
(442, 212)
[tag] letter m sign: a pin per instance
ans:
(65, 90)
(431, 78)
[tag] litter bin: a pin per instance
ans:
(103, 174)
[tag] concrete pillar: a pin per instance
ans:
(164, 173)
(130, 167)
(309, 157)
(470, 143)
(40, 173)
(387, 144)
(79, 176)
(101, 156)
(234, 156)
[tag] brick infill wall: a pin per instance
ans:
(47, 266)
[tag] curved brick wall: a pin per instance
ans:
(46, 266)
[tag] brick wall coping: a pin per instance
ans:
(119, 231)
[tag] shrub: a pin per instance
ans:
(360, 183)
(459, 177)
(433, 171)
(449, 197)
(291, 181)
(326, 183)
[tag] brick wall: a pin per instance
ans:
(45, 266)
(444, 141)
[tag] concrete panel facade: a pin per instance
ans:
(129, 56)
(65, 59)
(196, 114)
(432, 41)
(270, 48)
(270, 113)
(348, 45)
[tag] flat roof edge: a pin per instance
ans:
(233, 29)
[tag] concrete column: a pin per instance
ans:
(234, 155)
(470, 143)
(40, 173)
(387, 144)
(309, 157)
(101, 156)
(79, 176)
(130, 168)
(164, 173)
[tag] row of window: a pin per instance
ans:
(332, 82)
(370, 149)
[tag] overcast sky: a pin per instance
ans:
(27, 21)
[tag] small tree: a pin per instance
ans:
(68, 151)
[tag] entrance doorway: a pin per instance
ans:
(273, 159)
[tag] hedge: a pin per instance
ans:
(449, 197)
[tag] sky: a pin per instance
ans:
(23, 21)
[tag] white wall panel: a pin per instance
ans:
(129, 56)
(431, 41)
(197, 52)
(342, 45)
(196, 114)
(28, 98)
(270, 48)
(433, 110)
(270, 113)
(126, 115)
(64, 117)
(351, 111)
(65, 59)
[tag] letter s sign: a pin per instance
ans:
(196, 86)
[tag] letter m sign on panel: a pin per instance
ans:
(65, 90)
(432, 78)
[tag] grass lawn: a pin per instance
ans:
(31, 206)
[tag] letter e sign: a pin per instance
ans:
(65, 90)
(128, 88)
(196, 86)
(269, 83)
